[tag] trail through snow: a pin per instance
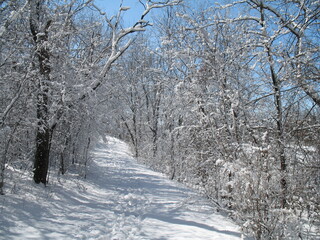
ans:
(119, 200)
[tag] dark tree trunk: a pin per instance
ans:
(155, 117)
(43, 136)
(41, 161)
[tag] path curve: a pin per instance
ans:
(119, 200)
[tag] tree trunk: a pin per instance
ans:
(280, 136)
(43, 138)
(41, 161)
(3, 159)
(155, 127)
(40, 38)
(280, 151)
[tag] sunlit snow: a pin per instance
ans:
(120, 199)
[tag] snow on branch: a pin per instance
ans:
(124, 8)
(287, 24)
(149, 5)
(13, 16)
(231, 4)
(226, 21)
(118, 34)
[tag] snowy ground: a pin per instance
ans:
(119, 200)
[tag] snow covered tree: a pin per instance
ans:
(236, 103)
(117, 48)
(281, 37)
(16, 86)
(67, 62)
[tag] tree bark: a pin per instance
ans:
(280, 154)
(40, 38)
(41, 161)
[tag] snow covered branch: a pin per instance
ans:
(13, 16)
(118, 35)
(149, 5)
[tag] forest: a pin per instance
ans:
(221, 96)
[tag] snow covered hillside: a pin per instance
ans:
(119, 200)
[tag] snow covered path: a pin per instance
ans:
(119, 200)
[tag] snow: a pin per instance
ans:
(119, 199)
(124, 8)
